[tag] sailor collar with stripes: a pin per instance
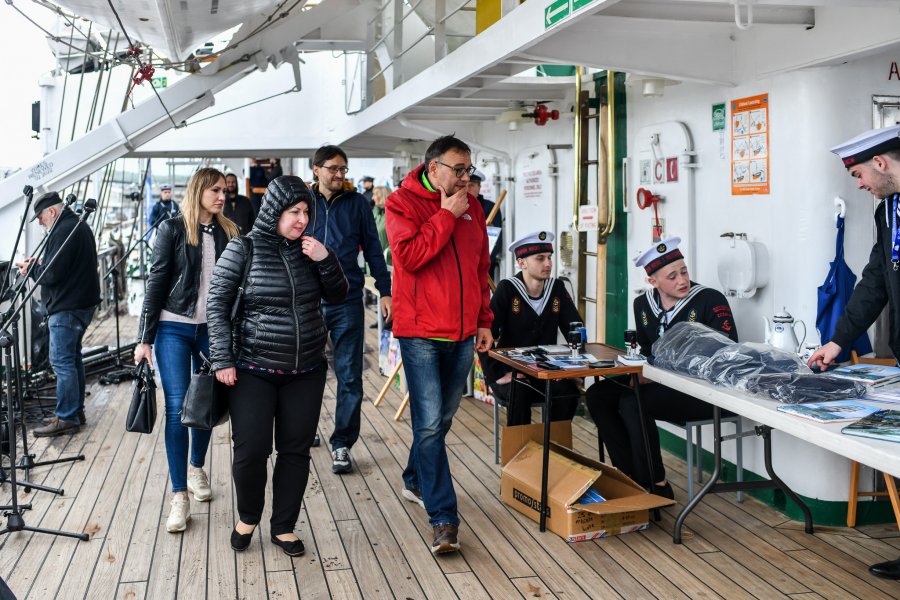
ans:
(537, 304)
(657, 309)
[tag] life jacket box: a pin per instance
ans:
(574, 483)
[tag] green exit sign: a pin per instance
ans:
(160, 82)
(556, 11)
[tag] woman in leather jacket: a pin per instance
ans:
(274, 360)
(174, 318)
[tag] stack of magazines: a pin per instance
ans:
(874, 375)
(880, 425)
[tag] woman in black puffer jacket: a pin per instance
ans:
(276, 364)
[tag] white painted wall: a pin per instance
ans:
(810, 111)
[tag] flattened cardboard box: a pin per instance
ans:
(627, 506)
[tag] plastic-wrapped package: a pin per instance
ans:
(686, 347)
(735, 363)
(794, 388)
(697, 351)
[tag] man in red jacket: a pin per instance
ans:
(441, 302)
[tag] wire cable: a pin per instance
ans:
(225, 112)
(143, 70)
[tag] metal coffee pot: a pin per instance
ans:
(780, 332)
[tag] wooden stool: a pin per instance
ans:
(889, 481)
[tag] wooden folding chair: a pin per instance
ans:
(889, 481)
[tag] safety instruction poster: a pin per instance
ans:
(750, 145)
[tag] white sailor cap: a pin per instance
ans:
(867, 145)
(533, 243)
(477, 176)
(659, 255)
(165, 186)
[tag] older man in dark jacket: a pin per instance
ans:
(70, 288)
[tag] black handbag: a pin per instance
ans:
(142, 412)
(206, 401)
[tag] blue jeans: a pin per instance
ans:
(66, 332)
(346, 325)
(436, 375)
(177, 356)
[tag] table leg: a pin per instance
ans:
(713, 477)
(636, 386)
(767, 455)
(548, 400)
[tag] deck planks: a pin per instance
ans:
(365, 541)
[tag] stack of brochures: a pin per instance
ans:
(874, 375)
(829, 412)
(881, 425)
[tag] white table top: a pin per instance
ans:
(880, 455)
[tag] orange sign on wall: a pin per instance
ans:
(750, 145)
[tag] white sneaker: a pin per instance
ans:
(413, 496)
(179, 514)
(198, 484)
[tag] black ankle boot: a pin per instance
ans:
(291, 548)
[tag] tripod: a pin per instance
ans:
(13, 512)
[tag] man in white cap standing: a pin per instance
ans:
(873, 159)
(530, 309)
(672, 298)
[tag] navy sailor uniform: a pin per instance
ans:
(612, 404)
(520, 320)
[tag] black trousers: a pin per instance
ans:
(613, 406)
(565, 400)
(290, 403)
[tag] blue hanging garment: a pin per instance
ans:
(833, 295)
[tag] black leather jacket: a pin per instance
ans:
(280, 324)
(174, 276)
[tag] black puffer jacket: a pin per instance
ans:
(280, 325)
(174, 280)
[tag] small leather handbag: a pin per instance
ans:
(142, 412)
(206, 401)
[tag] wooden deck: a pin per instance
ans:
(364, 541)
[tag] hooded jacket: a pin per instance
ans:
(440, 264)
(279, 325)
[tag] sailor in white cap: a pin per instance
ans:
(530, 309)
(672, 298)
(165, 207)
(873, 159)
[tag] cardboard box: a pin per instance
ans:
(626, 507)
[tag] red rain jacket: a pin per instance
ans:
(440, 264)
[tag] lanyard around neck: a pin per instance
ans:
(895, 232)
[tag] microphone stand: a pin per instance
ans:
(14, 289)
(28, 191)
(13, 512)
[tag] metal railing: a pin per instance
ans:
(386, 33)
